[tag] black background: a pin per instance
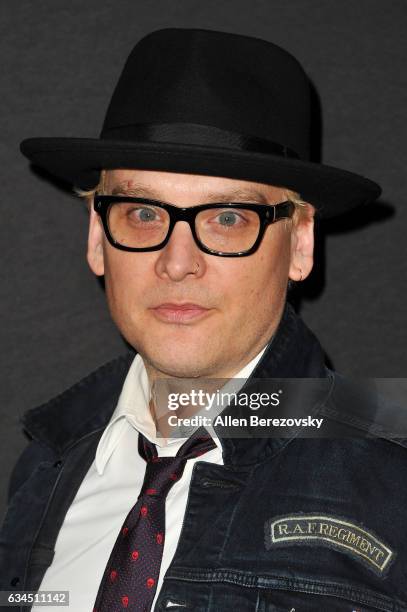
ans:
(59, 63)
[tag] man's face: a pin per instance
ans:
(239, 299)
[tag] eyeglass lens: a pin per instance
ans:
(221, 229)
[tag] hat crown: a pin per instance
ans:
(208, 103)
(227, 81)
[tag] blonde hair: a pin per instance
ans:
(88, 194)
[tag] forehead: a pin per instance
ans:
(160, 185)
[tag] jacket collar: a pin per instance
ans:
(294, 353)
(88, 405)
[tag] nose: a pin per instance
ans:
(181, 257)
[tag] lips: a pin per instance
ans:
(178, 313)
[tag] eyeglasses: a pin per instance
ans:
(225, 229)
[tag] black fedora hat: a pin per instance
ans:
(213, 103)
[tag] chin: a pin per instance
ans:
(186, 351)
(180, 363)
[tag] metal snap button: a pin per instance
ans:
(174, 604)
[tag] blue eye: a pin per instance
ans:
(147, 214)
(227, 218)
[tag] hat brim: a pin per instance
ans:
(78, 161)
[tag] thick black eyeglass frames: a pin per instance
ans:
(227, 229)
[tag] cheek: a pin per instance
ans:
(255, 288)
(125, 278)
(264, 273)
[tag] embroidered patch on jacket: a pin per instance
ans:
(343, 535)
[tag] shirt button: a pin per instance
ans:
(15, 581)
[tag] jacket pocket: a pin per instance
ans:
(314, 596)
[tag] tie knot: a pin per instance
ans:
(163, 472)
(199, 443)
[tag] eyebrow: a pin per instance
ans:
(246, 195)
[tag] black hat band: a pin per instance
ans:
(196, 134)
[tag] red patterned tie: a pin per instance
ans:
(130, 579)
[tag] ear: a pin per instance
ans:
(95, 254)
(302, 244)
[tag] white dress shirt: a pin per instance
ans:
(110, 489)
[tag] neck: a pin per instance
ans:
(197, 393)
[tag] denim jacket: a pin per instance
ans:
(286, 524)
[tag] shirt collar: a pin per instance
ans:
(133, 409)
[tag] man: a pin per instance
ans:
(201, 199)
